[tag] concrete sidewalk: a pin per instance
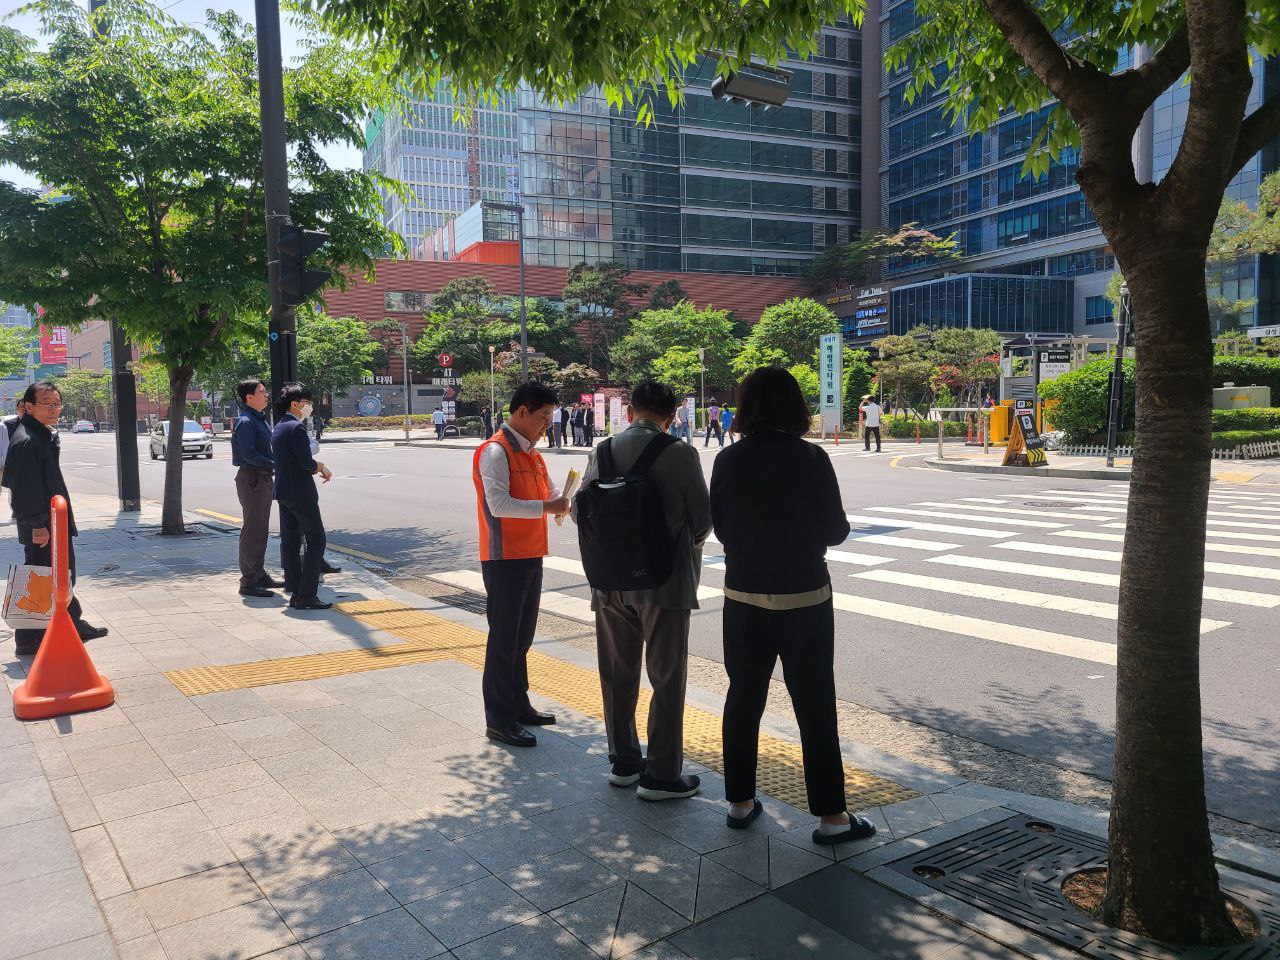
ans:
(971, 460)
(306, 786)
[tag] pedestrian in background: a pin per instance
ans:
(486, 420)
(514, 496)
(651, 625)
(557, 415)
(713, 424)
(870, 422)
(10, 424)
(33, 474)
(437, 420)
(589, 425)
(251, 453)
(302, 537)
(564, 424)
(726, 424)
(774, 488)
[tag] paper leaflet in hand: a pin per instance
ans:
(571, 483)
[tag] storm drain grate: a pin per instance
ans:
(1047, 504)
(194, 531)
(470, 602)
(1014, 870)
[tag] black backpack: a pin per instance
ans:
(622, 524)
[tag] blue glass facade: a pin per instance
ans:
(1006, 304)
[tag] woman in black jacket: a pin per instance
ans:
(775, 505)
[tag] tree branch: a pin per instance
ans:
(1140, 86)
(1255, 131)
(1077, 83)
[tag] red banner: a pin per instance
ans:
(53, 344)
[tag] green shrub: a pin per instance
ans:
(1246, 418)
(377, 423)
(1248, 372)
(902, 428)
(1231, 439)
(1080, 399)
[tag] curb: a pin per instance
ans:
(446, 445)
(1083, 473)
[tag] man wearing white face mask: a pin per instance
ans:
(295, 491)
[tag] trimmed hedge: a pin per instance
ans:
(1246, 418)
(901, 428)
(1231, 439)
(377, 423)
(1248, 372)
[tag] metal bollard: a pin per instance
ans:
(942, 432)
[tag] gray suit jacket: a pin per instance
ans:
(678, 475)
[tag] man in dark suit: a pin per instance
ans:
(34, 477)
(295, 492)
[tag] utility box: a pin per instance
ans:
(1236, 398)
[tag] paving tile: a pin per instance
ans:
(559, 879)
(384, 839)
(594, 919)
(750, 860)
(32, 849)
(152, 863)
(24, 800)
(28, 931)
(122, 777)
(788, 862)
(126, 917)
(884, 922)
(913, 816)
(353, 809)
(233, 705)
(618, 842)
(424, 873)
(388, 936)
(157, 826)
(177, 723)
(105, 749)
(107, 876)
(251, 803)
(954, 806)
(511, 845)
(472, 911)
(250, 838)
(766, 929)
(323, 784)
(265, 726)
(331, 903)
(144, 948)
(720, 889)
(206, 758)
(295, 865)
(99, 947)
(978, 947)
(277, 744)
(76, 807)
(538, 939)
(702, 830)
(676, 885)
(659, 951)
(19, 762)
(198, 895)
(239, 933)
(642, 921)
(291, 766)
(138, 800)
(213, 783)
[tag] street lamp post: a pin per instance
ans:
(518, 210)
(702, 372)
(1115, 408)
(408, 385)
(493, 400)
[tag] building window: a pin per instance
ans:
(1096, 310)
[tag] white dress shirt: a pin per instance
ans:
(871, 411)
(495, 474)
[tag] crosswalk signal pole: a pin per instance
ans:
(1115, 407)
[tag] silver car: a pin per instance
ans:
(195, 442)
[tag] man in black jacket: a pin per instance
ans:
(34, 477)
(295, 491)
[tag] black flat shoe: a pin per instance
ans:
(512, 736)
(327, 567)
(89, 632)
(261, 592)
(741, 823)
(309, 603)
(654, 790)
(535, 718)
(27, 651)
(860, 828)
(270, 582)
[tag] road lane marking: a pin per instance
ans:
(1247, 598)
(1216, 517)
(1007, 510)
(575, 608)
(981, 500)
(910, 543)
(1236, 523)
(1209, 545)
(975, 628)
(575, 567)
(220, 516)
(330, 545)
(947, 515)
(1054, 549)
(930, 527)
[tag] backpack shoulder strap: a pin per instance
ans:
(651, 453)
(604, 460)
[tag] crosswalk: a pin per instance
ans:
(1033, 572)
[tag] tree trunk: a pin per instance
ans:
(1163, 880)
(171, 517)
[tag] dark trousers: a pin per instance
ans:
(43, 557)
(254, 489)
(564, 430)
(626, 635)
(300, 524)
(439, 431)
(713, 428)
(867, 433)
(514, 588)
(804, 639)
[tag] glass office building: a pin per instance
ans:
(448, 163)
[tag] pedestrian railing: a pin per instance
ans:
(1248, 451)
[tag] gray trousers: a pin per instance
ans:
(254, 489)
(625, 635)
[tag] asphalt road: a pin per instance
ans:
(991, 621)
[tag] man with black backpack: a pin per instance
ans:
(643, 514)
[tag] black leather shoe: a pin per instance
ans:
(535, 718)
(269, 582)
(89, 632)
(262, 592)
(26, 651)
(327, 567)
(309, 603)
(512, 736)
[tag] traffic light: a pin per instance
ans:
(297, 281)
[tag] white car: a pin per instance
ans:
(84, 426)
(195, 442)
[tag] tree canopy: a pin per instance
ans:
(862, 260)
(665, 343)
(15, 348)
(786, 334)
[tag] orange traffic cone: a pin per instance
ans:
(63, 678)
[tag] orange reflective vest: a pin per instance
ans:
(513, 538)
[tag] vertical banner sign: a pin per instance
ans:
(615, 415)
(599, 404)
(53, 344)
(830, 381)
(690, 412)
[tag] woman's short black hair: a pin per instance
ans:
(770, 399)
(654, 397)
(533, 396)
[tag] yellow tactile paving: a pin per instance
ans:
(1236, 477)
(428, 637)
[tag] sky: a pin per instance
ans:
(190, 11)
